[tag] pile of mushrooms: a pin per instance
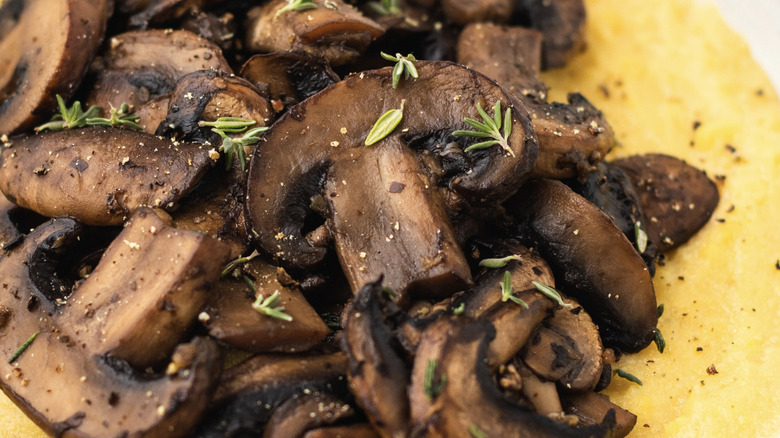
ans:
(313, 285)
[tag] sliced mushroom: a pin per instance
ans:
(289, 77)
(514, 325)
(563, 24)
(249, 392)
(299, 414)
(377, 375)
(542, 394)
(592, 261)
(566, 349)
(219, 29)
(361, 430)
(677, 198)
(230, 318)
(464, 398)
(45, 50)
(591, 408)
(68, 389)
(99, 175)
(338, 33)
(10, 235)
(382, 211)
(463, 12)
(288, 168)
(145, 64)
(208, 95)
(153, 112)
(138, 315)
(161, 11)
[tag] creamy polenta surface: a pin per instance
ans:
(672, 78)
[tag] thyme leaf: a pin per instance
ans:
(234, 147)
(24, 347)
(69, 118)
(231, 267)
(506, 291)
(119, 117)
(490, 127)
(385, 7)
(271, 306)
(459, 310)
(385, 125)
(659, 340)
(498, 262)
(296, 5)
(628, 376)
(404, 66)
(431, 388)
(551, 294)
(640, 238)
(476, 432)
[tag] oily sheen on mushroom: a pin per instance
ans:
(289, 168)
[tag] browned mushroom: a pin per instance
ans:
(677, 198)
(591, 408)
(360, 430)
(338, 33)
(99, 175)
(60, 381)
(452, 395)
(142, 65)
(45, 50)
(299, 414)
(463, 12)
(563, 24)
(230, 317)
(287, 170)
(592, 261)
(161, 11)
(377, 374)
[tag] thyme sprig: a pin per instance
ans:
(271, 306)
(234, 147)
(119, 117)
(490, 128)
(231, 267)
(506, 291)
(296, 5)
(498, 262)
(76, 117)
(385, 7)
(404, 66)
(431, 388)
(385, 125)
(551, 293)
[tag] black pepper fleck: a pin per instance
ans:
(711, 370)
(699, 349)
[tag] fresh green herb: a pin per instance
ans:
(659, 340)
(230, 267)
(385, 125)
(404, 66)
(430, 386)
(332, 320)
(660, 310)
(24, 347)
(490, 128)
(119, 117)
(506, 291)
(628, 376)
(550, 293)
(459, 310)
(296, 5)
(476, 432)
(385, 7)
(271, 306)
(640, 237)
(390, 292)
(499, 262)
(234, 147)
(69, 118)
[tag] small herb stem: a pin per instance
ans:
(24, 347)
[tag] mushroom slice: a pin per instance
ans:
(592, 261)
(150, 307)
(563, 24)
(162, 11)
(288, 169)
(481, 45)
(452, 394)
(142, 65)
(567, 349)
(514, 325)
(299, 414)
(208, 95)
(290, 76)
(377, 375)
(152, 113)
(463, 12)
(10, 234)
(250, 391)
(230, 318)
(404, 220)
(67, 389)
(99, 175)
(360, 430)
(338, 33)
(591, 408)
(677, 198)
(45, 50)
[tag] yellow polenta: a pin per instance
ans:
(656, 69)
